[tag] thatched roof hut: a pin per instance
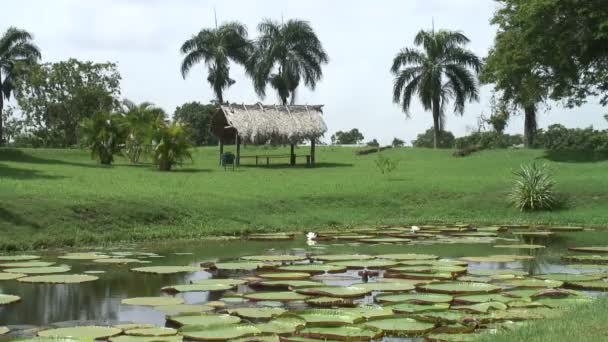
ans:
(261, 124)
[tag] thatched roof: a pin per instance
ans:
(260, 123)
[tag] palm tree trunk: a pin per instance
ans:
(436, 123)
(529, 125)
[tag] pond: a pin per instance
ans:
(400, 272)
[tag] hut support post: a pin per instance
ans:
(312, 151)
(292, 158)
(238, 150)
(221, 150)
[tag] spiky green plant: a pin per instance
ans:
(104, 135)
(138, 121)
(533, 188)
(171, 145)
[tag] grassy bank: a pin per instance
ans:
(61, 197)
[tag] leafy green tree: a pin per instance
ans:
(351, 137)
(55, 97)
(398, 142)
(16, 47)
(284, 54)
(104, 134)
(437, 74)
(198, 117)
(429, 139)
(138, 121)
(564, 41)
(216, 48)
(171, 145)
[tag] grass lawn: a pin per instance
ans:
(56, 197)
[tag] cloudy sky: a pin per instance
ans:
(361, 37)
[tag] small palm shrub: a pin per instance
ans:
(171, 145)
(533, 189)
(104, 135)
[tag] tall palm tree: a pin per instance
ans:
(138, 122)
(216, 48)
(15, 47)
(438, 73)
(284, 54)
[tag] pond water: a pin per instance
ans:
(100, 301)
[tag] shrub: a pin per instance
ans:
(533, 188)
(398, 142)
(446, 139)
(385, 165)
(488, 140)
(373, 143)
(104, 135)
(560, 138)
(171, 145)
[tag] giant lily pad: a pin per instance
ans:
(128, 338)
(409, 308)
(460, 288)
(285, 275)
(369, 264)
(483, 298)
(590, 259)
(564, 302)
(120, 261)
(245, 266)
(335, 291)
(129, 326)
(533, 283)
(286, 324)
(39, 270)
(204, 320)
(490, 258)
(256, 313)
(446, 337)
(385, 240)
(11, 276)
(342, 257)
(154, 332)
(569, 277)
(274, 257)
(420, 275)
(595, 249)
(8, 299)
(590, 285)
(386, 286)
(481, 307)
(217, 281)
(271, 237)
(27, 264)
(490, 273)
(152, 301)
(416, 298)
(59, 279)
(196, 288)
(166, 269)
(313, 268)
(18, 257)
(184, 308)
(280, 296)
(401, 326)
(343, 333)
(407, 256)
(93, 332)
(329, 301)
(521, 246)
(83, 256)
(370, 311)
(221, 332)
(289, 283)
(329, 317)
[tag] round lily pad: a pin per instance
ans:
(484, 272)
(154, 332)
(289, 283)
(459, 288)
(369, 264)
(407, 256)
(483, 298)
(219, 332)
(594, 249)
(59, 279)
(271, 237)
(39, 270)
(370, 311)
(342, 333)
(313, 268)
(416, 298)
(420, 275)
(329, 301)
(27, 264)
(93, 332)
(533, 283)
(218, 281)
(569, 277)
(282, 325)
(128, 338)
(590, 285)
(335, 291)
(329, 317)
(274, 257)
(204, 320)
(152, 301)
(280, 296)
(490, 258)
(120, 261)
(18, 257)
(166, 269)
(342, 257)
(196, 288)
(257, 313)
(184, 308)
(481, 307)
(386, 286)
(11, 276)
(385, 240)
(401, 326)
(522, 246)
(8, 299)
(446, 337)
(83, 256)
(410, 308)
(285, 275)
(590, 259)
(245, 266)
(129, 326)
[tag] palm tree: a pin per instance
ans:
(437, 74)
(216, 47)
(138, 121)
(171, 144)
(15, 47)
(104, 135)
(284, 54)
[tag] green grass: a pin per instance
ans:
(62, 198)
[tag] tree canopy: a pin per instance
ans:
(351, 137)
(198, 117)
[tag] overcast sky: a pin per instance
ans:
(361, 37)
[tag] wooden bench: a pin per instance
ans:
(275, 156)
